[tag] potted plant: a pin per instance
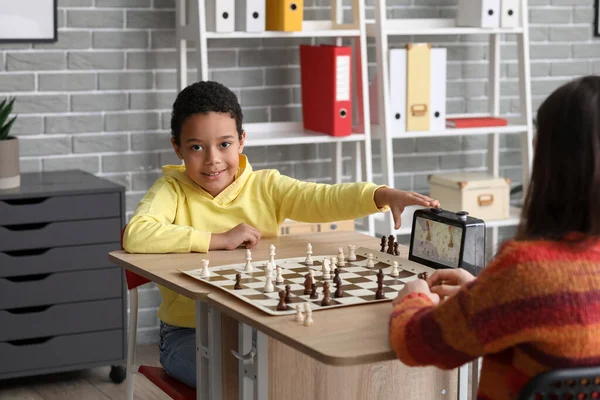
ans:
(10, 175)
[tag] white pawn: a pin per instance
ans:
(309, 260)
(308, 321)
(299, 315)
(395, 272)
(326, 269)
(248, 267)
(268, 282)
(340, 256)
(333, 263)
(370, 263)
(279, 277)
(205, 273)
(312, 276)
(272, 254)
(351, 252)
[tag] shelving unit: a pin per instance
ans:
(382, 28)
(191, 27)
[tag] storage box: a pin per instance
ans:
(482, 195)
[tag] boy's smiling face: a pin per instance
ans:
(210, 147)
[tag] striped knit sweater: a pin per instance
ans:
(535, 307)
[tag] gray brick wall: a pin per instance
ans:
(99, 98)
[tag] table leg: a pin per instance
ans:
(253, 364)
(208, 352)
(463, 382)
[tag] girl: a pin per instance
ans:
(536, 306)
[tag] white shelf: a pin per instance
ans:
(433, 26)
(309, 29)
(290, 133)
(376, 131)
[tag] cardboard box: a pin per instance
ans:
(290, 227)
(480, 194)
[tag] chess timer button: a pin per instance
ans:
(436, 210)
(462, 215)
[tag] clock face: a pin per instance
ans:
(437, 242)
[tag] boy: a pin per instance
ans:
(216, 201)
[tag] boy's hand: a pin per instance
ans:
(397, 200)
(242, 234)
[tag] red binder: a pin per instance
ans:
(325, 73)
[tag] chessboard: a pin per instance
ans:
(359, 280)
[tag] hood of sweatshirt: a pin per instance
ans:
(228, 195)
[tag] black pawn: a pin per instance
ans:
(288, 294)
(396, 249)
(382, 244)
(237, 285)
(313, 293)
(281, 306)
(336, 276)
(339, 292)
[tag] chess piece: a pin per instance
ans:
(268, 282)
(351, 252)
(248, 267)
(379, 293)
(308, 282)
(312, 276)
(279, 277)
(390, 249)
(288, 294)
(428, 236)
(281, 306)
(396, 249)
(382, 244)
(395, 272)
(340, 256)
(299, 316)
(308, 321)
(326, 295)
(272, 255)
(238, 285)
(313, 292)
(450, 243)
(309, 260)
(336, 276)
(370, 263)
(326, 269)
(423, 275)
(339, 292)
(333, 261)
(269, 266)
(205, 273)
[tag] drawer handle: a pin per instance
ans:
(28, 342)
(28, 310)
(20, 202)
(485, 200)
(28, 278)
(26, 253)
(27, 227)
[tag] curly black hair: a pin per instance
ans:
(204, 97)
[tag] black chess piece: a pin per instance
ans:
(379, 293)
(396, 249)
(326, 295)
(238, 285)
(281, 306)
(313, 293)
(288, 294)
(336, 276)
(390, 249)
(308, 284)
(339, 292)
(382, 244)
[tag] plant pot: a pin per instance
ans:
(10, 173)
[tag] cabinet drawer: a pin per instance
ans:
(59, 208)
(56, 234)
(57, 259)
(61, 319)
(58, 351)
(60, 287)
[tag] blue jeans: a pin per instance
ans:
(178, 352)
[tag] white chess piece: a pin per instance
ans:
(395, 272)
(309, 260)
(370, 263)
(279, 277)
(340, 256)
(333, 261)
(268, 282)
(312, 276)
(351, 252)
(248, 267)
(308, 321)
(205, 273)
(326, 269)
(299, 316)
(272, 255)
(269, 266)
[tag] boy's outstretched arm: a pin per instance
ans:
(398, 200)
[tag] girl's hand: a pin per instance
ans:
(447, 282)
(416, 286)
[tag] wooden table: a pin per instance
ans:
(345, 354)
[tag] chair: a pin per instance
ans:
(564, 384)
(173, 388)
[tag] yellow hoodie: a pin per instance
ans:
(178, 216)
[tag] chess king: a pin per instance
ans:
(216, 201)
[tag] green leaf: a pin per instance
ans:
(4, 131)
(5, 111)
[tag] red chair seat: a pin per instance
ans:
(172, 387)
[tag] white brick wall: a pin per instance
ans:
(99, 99)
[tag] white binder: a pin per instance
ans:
(397, 90)
(437, 99)
(220, 15)
(478, 13)
(510, 16)
(250, 15)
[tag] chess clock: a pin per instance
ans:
(445, 239)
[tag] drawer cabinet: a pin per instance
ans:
(63, 306)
